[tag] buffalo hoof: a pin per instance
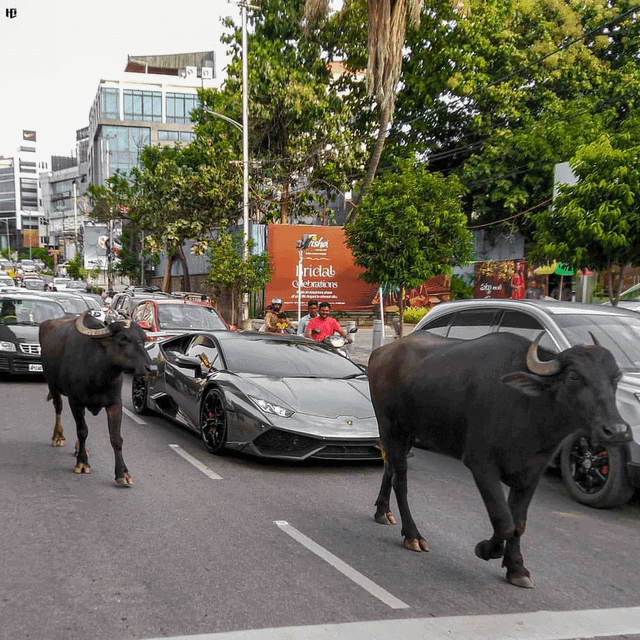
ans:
(385, 518)
(58, 441)
(81, 467)
(126, 481)
(521, 581)
(416, 544)
(485, 550)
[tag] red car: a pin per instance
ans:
(165, 317)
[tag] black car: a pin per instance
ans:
(269, 395)
(594, 475)
(20, 318)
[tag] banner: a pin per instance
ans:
(328, 271)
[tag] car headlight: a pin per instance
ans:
(7, 346)
(270, 407)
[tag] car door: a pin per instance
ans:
(185, 377)
(525, 325)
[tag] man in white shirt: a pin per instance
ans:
(312, 307)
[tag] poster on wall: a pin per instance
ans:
(513, 279)
(30, 238)
(328, 271)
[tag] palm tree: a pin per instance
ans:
(387, 24)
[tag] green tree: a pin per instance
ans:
(228, 270)
(410, 228)
(595, 223)
(301, 145)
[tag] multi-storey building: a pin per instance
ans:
(149, 105)
(21, 211)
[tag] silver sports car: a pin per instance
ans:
(276, 396)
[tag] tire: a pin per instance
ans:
(139, 395)
(213, 421)
(595, 476)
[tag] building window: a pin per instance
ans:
(180, 106)
(125, 145)
(27, 167)
(109, 107)
(167, 135)
(187, 136)
(142, 105)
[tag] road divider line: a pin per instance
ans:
(342, 567)
(195, 462)
(133, 416)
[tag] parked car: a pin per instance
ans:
(274, 396)
(594, 475)
(20, 316)
(6, 280)
(126, 300)
(162, 318)
(33, 283)
(78, 286)
(629, 299)
(72, 303)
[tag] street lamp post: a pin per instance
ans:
(302, 245)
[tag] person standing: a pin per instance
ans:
(323, 325)
(312, 312)
(534, 292)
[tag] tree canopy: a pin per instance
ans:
(410, 227)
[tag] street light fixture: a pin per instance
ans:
(302, 245)
(8, 237)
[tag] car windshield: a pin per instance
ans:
(61, 281)
(286, 359)
(20, 311)
(72, 304)
(619, 334)
(35, 284)
(188, 316)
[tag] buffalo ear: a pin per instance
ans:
(527, 383)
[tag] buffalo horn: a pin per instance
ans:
(535, 365)
(92, 333)
(595, 340)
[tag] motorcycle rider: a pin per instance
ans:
(274, 320)
(324, 325)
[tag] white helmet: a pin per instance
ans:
(276, 301)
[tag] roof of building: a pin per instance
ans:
(169, 64)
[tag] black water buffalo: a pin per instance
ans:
(500, 406)
(84, 360)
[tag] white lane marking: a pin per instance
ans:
(195, 462)
(538, 625)
(343, 567)
(133, 416)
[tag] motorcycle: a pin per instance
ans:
(337, 342)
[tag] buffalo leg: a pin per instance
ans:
(383, 509)
(490, 488)
(57, 440)
(114, 417)
(395, 473)
(82, 460)
(519, 500)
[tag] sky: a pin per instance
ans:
(53, 55)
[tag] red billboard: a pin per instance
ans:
(328, 271)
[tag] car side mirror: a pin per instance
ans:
(189, 362)
(353, 330)
(143, 324)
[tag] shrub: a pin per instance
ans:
(412, 315)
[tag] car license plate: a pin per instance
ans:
(35, 367)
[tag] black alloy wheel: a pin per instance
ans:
(139, 394)
(213, 421)
(595, 475)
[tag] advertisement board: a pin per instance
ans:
(30, 238)
(328, 271)
(329, 274)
